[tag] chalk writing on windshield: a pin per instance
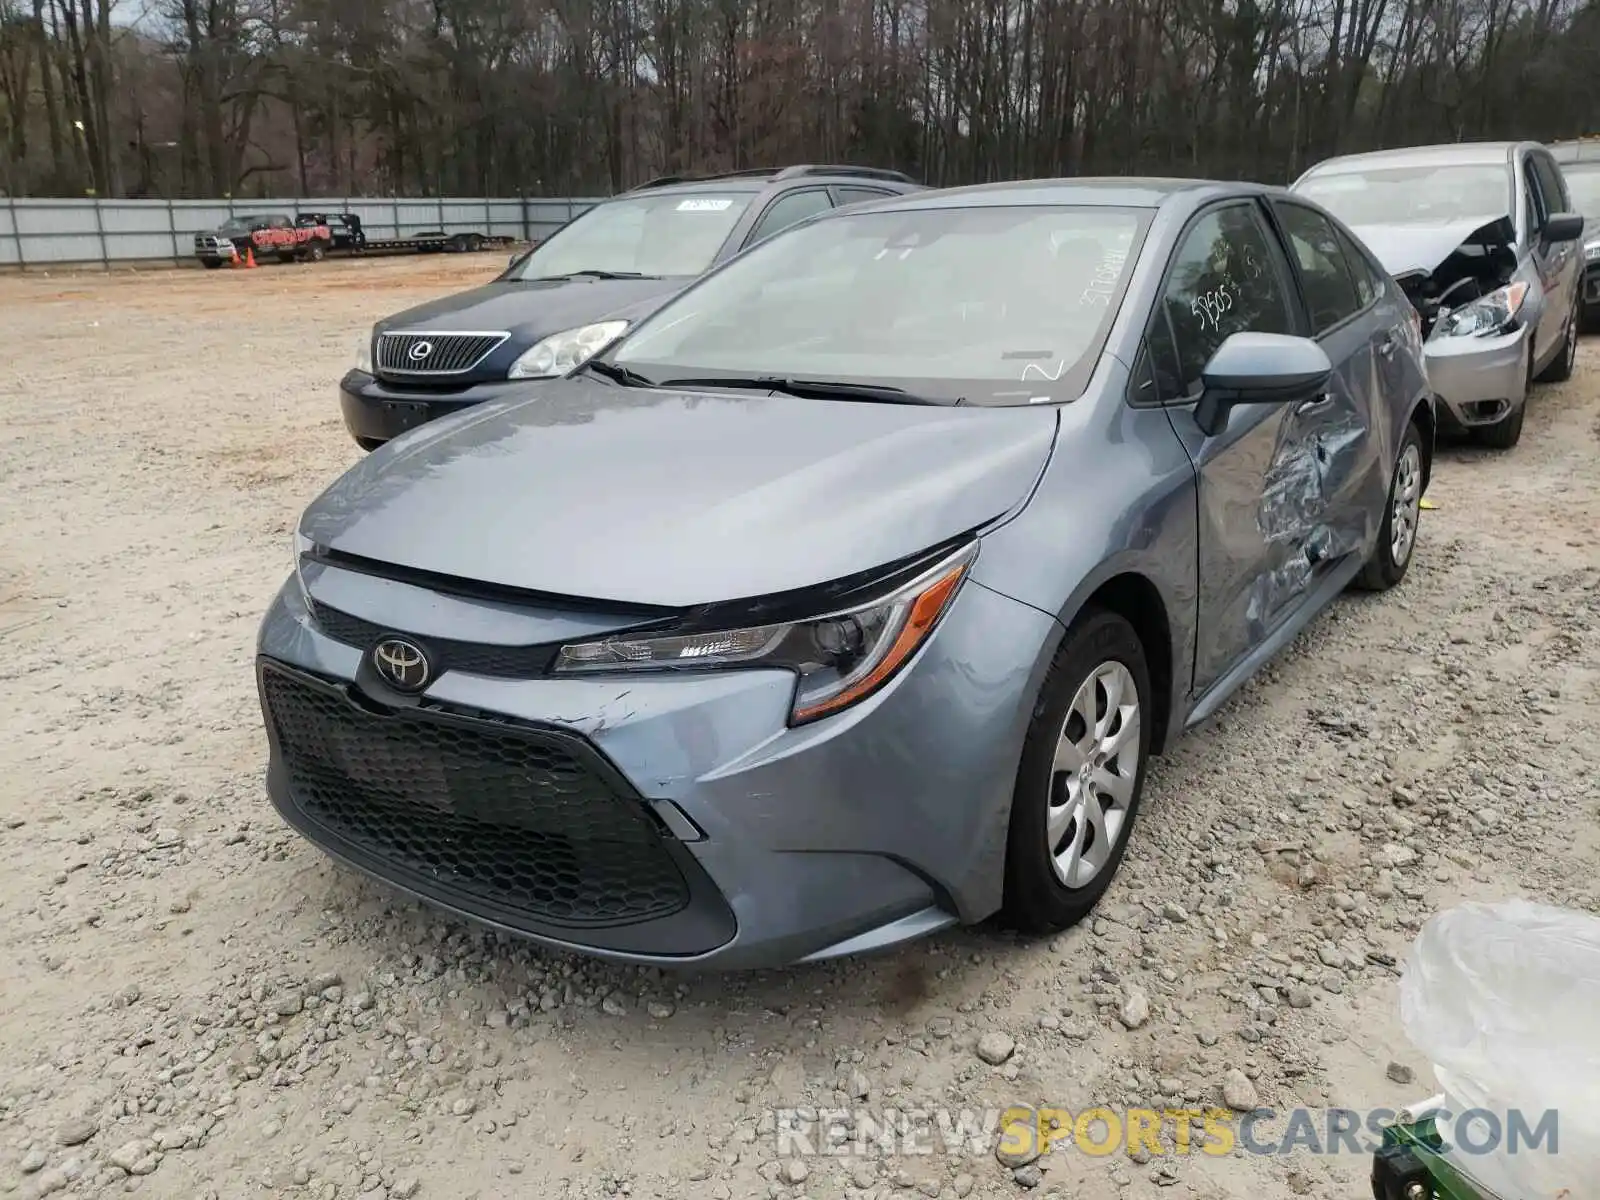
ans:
(1104, 280)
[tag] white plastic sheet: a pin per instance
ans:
(1504, 999)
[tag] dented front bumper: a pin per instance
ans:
(1479, 380)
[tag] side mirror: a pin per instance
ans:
(1563, 227)
(1259, 368)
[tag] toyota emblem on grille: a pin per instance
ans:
(401, 664)
(420, 351)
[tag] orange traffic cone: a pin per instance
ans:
(250, 256)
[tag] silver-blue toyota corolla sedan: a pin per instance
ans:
(848, 596)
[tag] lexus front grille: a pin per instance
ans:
(428, 354)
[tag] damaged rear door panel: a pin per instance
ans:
(1348, 444)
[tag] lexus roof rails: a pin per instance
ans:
(664, 180)
(846, 170)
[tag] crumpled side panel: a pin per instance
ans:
(1308, 465)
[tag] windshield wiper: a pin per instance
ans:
(616, 374)
(810, 389)
(591, 275)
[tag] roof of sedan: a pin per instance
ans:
(1456, 154)
(1124, 191)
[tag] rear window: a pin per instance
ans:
(665, 234)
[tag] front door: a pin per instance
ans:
(1258, 503)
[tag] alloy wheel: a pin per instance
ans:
(1405, 505)
(1093, 775)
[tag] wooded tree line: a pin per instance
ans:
(509, 97)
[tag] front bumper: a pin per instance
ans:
(375, 411)
(1479, 380)
(772, 845)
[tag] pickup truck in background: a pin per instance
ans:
(272, 233)
(312, 236)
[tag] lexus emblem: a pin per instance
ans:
(420, 351)
(401, 664)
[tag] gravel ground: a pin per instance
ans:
(196, 1003)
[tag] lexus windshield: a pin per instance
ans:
(991, 305)
(671, 234)
(1414, 195)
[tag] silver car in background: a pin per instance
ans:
(1580, 167)
(1482, 237)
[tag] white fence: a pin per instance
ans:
(56, 232)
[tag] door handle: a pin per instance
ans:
(1315, 404)
(1389, 344)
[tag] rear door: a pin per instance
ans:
(1259, 508)
(1341, 308)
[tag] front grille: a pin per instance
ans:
(476, 658)
(434, 353)
(517, 819)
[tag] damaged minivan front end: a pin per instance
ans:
(1480, 238)
(1476, 309)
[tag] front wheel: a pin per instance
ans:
(1081, 775)
(1397, 536)
(1560, 368)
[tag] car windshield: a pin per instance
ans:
(1414, 195)
(1583, 181)
(992, 305)
(672, 234)
(241, 224)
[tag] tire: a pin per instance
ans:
(1504, 433)
(1403, 506)
(286, 256)
(1560, 369)
(316, 251)
(1100, 647)
(369, 444)
(475, 244)
(211, 264)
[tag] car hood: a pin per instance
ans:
(536, 310)
(1405, 249)
(639, 496)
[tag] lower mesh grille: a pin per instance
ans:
(516, 818)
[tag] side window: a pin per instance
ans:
(786, 210)
(1330, 291)
(1551, 185)
(1369, 282)
(1223, 281)
(859, 195)
(1533, 201)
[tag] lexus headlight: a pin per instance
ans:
(364, 353)
(566, 351)
(1487, 314)
(839, 658)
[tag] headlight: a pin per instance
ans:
(840, 657)
(1591, 251)
(1487, 314)
(566, 351)
(364, 353)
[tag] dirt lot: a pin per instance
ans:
(196, 1003)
